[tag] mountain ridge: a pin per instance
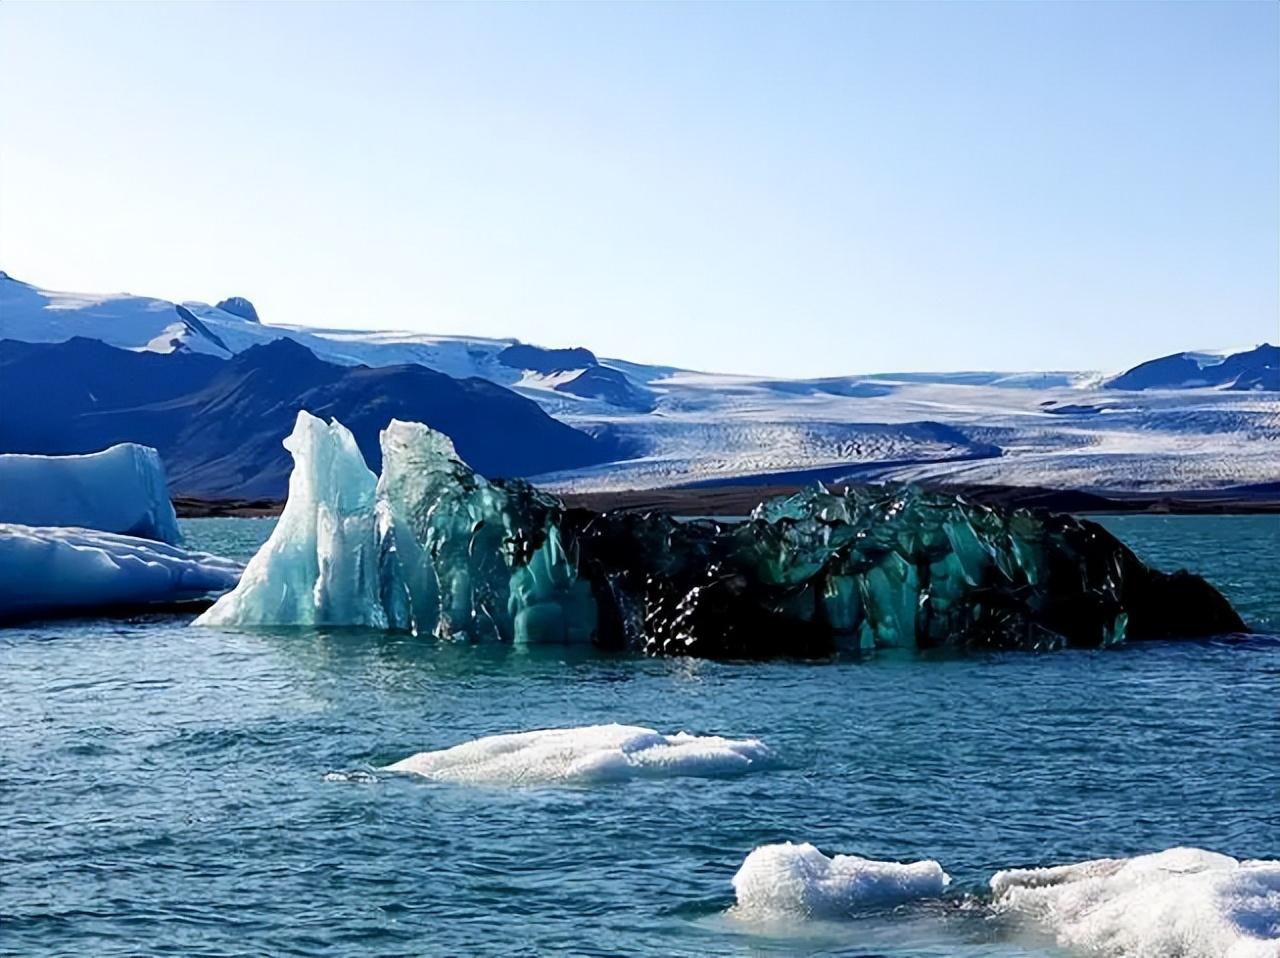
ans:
(218, 424)
(661, 426)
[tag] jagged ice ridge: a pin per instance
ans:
(433, 548)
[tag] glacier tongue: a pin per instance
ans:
(435, 549)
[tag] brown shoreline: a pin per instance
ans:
(739, 500)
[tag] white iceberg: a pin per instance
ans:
(1183, 902)
(588, 754)
(786, 881)
(121, 489)
(46, 570)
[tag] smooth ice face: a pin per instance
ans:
(435, 549)
(1182, 901)
(590, 754)
(798, 881)
(320, 566)
(121, 489)
(50, 570)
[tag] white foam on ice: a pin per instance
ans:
(797, 881)
(1178, 903)
(47, 570)
(120, 489)
(586, 755)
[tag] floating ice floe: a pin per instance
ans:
(121, 489)
(588, 754)
(432, 548)
(1183, 902)
(798, 881)
(1178, 903)
(47, 570)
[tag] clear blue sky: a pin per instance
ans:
(792, 189)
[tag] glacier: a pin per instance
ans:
(59, 570)
(1059, 430)
(121, 489)
(433, 548)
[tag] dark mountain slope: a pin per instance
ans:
(218, 424)
(1257, 368)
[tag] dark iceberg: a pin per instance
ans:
(433, 548)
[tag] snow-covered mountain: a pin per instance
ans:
(218, 423)
(1065, 429)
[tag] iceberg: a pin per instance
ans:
(120, 489)
(433, 548)
(589, 754)
(1185, 902)
(56, 570)
(798, 881)
(320, 566)
(1181, 901)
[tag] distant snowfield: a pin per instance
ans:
(974, 427)
(1150, 441)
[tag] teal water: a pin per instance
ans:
(168, 791)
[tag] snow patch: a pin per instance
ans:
(585, 755)
(798, 881)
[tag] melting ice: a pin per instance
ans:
(433, 548)
(1184, 902)
(789, 880)
(589, 754)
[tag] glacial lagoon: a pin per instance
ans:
(180, 791)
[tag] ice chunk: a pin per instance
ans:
(51, 570)
(321, 564)
(798, 881)
(435, 548)
(121, 489)
(593, 753)
(454, 542)
(1182, 901)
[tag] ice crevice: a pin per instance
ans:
(433, 548)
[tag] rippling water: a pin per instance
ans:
(175, 791)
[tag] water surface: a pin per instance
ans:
(170, 791)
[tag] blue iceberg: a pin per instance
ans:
(433, 548)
